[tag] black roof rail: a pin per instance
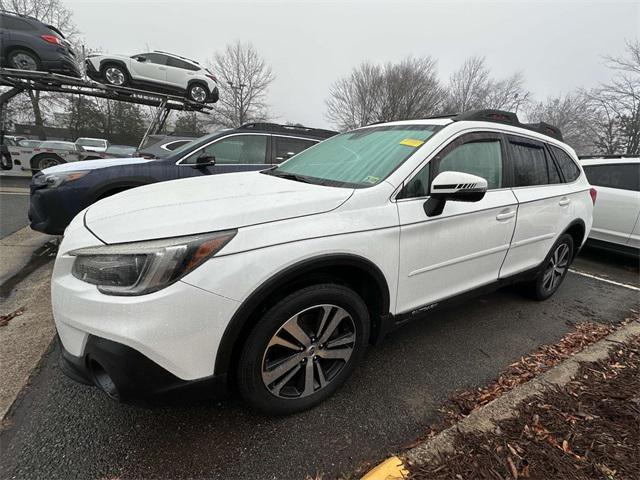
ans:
(177, 56)
(509, 118)
(607, 157)
(275, 127)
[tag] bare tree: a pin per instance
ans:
(572, 114)
(51, 12)
(617, 104)
(243, 79)
(471, 87)
(379, 93)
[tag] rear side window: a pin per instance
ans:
(531, 163)
(12, 23)
(623, 176)
(569, 169)
(286, 147)
(174, 62)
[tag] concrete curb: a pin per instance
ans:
(485, 418)
(16, 250)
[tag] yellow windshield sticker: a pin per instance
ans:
(411, 142)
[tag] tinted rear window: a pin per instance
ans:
(530, 163)
(569, 169)
(623, 176)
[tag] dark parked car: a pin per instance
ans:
(28, 44)
(60, 192)
(161, 146)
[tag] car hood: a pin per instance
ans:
(93, 164)
(207, 204)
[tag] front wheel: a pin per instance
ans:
(303, 348)
(554, 269)
(115, 75)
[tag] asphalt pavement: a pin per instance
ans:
(14, 204)
(60, 429)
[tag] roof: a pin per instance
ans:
(492, 116)
(290, 129)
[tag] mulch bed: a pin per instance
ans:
(588, 429)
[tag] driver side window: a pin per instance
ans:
(475, 153)
(234, 150)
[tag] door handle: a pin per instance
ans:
(162, 68)
(564, 202)
(505, 216)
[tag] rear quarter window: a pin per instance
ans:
(570, 170)
(624, 176)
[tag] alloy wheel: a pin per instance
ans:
(48, 162)
(114, 76)
(24, 61)
(198, 93)
(308, 351)
(556, 268)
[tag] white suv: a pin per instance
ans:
(160, 71)
(277, 280)
(616, 218)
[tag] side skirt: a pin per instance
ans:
(391, 322)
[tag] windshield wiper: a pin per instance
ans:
(289, 176)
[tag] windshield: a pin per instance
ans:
(361, 158)
(86, 142)
(183, 148)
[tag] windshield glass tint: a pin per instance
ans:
(360, 158)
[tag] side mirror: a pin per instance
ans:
(456, 187)
(205, 159)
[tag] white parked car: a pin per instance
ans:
(616, 218)
(159, 71)
(277, 280)
(93, 144)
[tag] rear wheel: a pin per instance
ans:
(303, 349)
(115, 75)
(46, 161)
(24, 60)
(198, 92)
(554, 269)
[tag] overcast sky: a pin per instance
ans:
(558, 45)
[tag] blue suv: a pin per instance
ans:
(59, 193)
(28, 44)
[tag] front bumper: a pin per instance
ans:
(51, 210)
(177, 328)
(125, 374)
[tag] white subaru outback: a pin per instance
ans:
(276, 281)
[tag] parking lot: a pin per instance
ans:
(14, 204)
(60, 429)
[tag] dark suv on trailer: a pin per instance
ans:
(59, 193)
(28, 44)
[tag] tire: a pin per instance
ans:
(198, 92)
(554, 269)
(46, 161)
(23, 60)
(115, 75)
(330, 357)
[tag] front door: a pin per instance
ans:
(234, 153)
(464, 247)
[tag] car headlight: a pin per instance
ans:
(54, 180)
(138, 268)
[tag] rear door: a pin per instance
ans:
(544, 208)
(617, 208)
(284, 147)
(179, 72)
(464, 247)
